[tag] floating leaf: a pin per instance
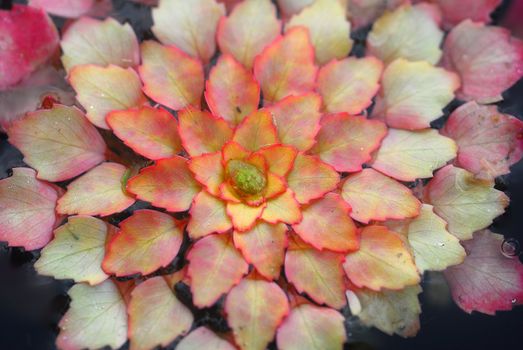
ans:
(317, 227)
(64, 8)
(317, 273)
(231, 91)
(203, 338)
(466, 203)
(201, 132)
(147, 240)
(410, 155)
(255, 309)
(434, 248)
(243, 216)
(59, 143)
(414, 93)
(331, 39)
(392, 312)
(489, 142)
(374, 196)
(346, 142)
(27, 205)
(350, 84)
(283, 208)
(91, 41)
(168, 184)
(311, 178)
(454, 12)
(364, 12)
(98, 192)
(101, 90)
(256, 131)
(312, 327)
(77, 251)
(264, 247)
(487, 68)
(21, 54)
(215, 266)
(191, 26)
(487, 281)
(239, 34)
(96, 318)
(382, 261)
(209, 171)
(151, 132)
(208, 215)
(154, 302)
(170, 76)
(297, 119)
(280, 159)
(410, 32)
(286, 67)
(291, 7)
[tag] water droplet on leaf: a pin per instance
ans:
(510, 248)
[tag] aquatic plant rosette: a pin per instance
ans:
(245, 154)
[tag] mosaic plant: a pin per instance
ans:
(244, 153)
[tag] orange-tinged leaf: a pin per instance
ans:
(77, 250)
(410, 155)
(311, 178)
(350, 84)
(208, 215)
(326, 224)
(189, 25)
(488, 142)
(317, 273)
(208, 170)
(257, 130)
(91, 41)
(201, 132)
(59, 143)
(331, 38)
(312, 327)
(487, 68)
(147, 240)
(231, 91)
(410, 32)
(151, 132)
(466, 203)
(433, 247)
(100, 191)
(255, 308)
(297, 119)
(170, 77)
(283, 208)
(286, 67)
(413, 94)
(346, 142)
(280, 159)
(239, 34)
(243, 216)
(153, 301)
(101, 90)
(168, 184)
(96, 318)
(382, 261)
(264, 247)
(215, 266)
(203, 338)
(487, 281)
(392, 312)
(374, 196)
(27, 210)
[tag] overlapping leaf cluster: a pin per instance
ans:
(261, 172)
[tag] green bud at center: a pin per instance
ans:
(245, 177)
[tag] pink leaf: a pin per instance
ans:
(487, 281)
(27, 205)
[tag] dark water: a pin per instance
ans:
(32, 305)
